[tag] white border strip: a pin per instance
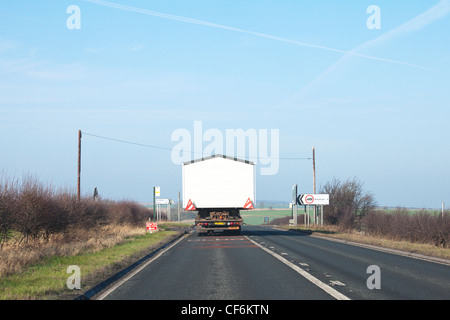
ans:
(138, 269)
(335, 294)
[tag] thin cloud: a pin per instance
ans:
(438, 11)
(257, 34)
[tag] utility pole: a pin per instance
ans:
(179, 206)
(314, 179)
(294, 204)
(314, 170)
(79, 166)
(154, 204)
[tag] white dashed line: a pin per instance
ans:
(334, 293)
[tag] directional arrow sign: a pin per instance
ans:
(313, 199)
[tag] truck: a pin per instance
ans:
(218, 187)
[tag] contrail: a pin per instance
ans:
(438, 11)
(254, 33)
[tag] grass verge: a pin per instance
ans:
(46, 280)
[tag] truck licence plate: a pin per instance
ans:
(220, 223)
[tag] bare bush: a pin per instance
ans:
(349, 203)
(420, 227)
(7, 202)
(36, 221)
(35, 211)
(31, 206)
(128, 212)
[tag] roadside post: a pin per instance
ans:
(156, 193)
(294, 204)
(178, 206)
(159, 203)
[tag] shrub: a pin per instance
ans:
(7, 202)
(423, 226)
(349, 203)
(128, 212)
(36, 212)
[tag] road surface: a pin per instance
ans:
(268, 264)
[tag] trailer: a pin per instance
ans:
(218, 187)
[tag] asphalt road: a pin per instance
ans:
(268, 264)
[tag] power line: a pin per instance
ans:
(171, 149)
(127, 142)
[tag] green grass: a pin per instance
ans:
(47, 279)
(256, 217)
(409, 211)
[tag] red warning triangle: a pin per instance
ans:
(248, 204)
(190, 206)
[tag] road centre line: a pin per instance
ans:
(334, 293)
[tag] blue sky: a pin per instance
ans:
(374, 102)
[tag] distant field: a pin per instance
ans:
(409, 210)
(256, 217)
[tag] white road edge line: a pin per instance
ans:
(137, 270)
(335, 294)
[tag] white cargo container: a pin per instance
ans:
(218, 187)
(218, 182)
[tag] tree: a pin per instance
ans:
(349, 203)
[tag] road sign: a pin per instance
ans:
(313, 199)
(157, 191)
(152, 226)
(162, 201)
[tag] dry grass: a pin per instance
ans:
(31, 212)
(106, 251)
(37, 221)
(15, 257)
(380, 241)
(41, 230)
